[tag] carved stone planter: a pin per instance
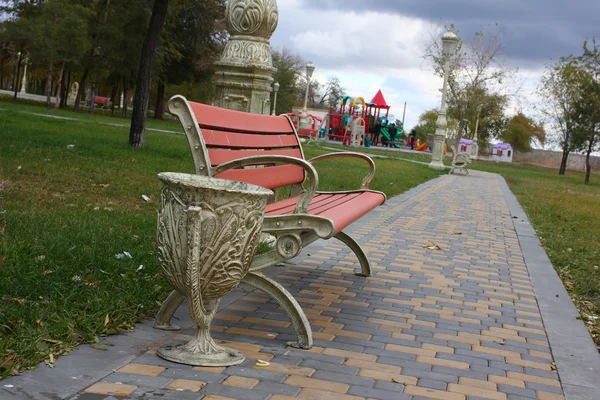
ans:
(208, 230)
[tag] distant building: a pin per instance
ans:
(502, 152)
(464, 146)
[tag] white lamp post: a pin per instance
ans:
(275, 89)
(449, 42)
(310, 68)
(24, 80)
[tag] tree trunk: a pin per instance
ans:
(125, 94)
(588, 167)
(49, 86)
(66, 91)
(81, 91)
(17, 78)
(144, 78)
(94, 93)
(563, 162)
(113, 98)
(59, 83)
(160, 101)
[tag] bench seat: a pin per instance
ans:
(342, 208)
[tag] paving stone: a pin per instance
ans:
(235, 393)
(543, 388)
(460, 372)
(324, 366)
(377, 393)
(432, 384)
(176, 373)
(517, 391)
(156, 382)
(256, 373)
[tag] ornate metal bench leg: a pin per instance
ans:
(451, 171)
(466, 171)
(168, 308)
(289, 304)
(365, 265)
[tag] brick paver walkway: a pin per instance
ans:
(457, 323)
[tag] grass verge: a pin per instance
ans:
(565, 213)
(66, 212)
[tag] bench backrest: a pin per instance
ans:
(218, 135)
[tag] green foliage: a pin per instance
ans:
(288, 66)
(426, 125)
(521, 131)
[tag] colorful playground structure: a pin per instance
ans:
(353, 119)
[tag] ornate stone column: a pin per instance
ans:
(244, 73)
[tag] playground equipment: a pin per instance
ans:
(314, 123)
(353, 118)
(346, 123)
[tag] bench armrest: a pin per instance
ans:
(367, 181)
(311, 174)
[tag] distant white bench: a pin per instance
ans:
(460, 161)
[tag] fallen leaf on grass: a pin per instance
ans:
(106, 319)
(102, 185)
(91, 281)
(3, 226)
(101, 347)
(431, 246)
(39, 324)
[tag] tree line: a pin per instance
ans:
(115, 49)
(481, 86)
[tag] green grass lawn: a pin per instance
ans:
(566, 215)
(66, 212)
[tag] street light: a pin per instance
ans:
(310, 68)
(275, 89)
(449, 42)
(24, 80)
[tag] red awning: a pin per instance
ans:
(379, 101)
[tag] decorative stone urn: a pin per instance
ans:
(208, 230)
(244, 73)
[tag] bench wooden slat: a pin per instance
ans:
(287, 206)
(222, 156)
(341, 208)
(217, 138)
(270, 177)
(237, 121)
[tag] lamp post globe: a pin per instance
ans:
(310, 68)
(449, 43)
(275, 89)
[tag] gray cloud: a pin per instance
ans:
(534, 31)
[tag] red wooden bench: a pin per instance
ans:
(265, 150)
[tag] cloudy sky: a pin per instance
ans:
(377, 44)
